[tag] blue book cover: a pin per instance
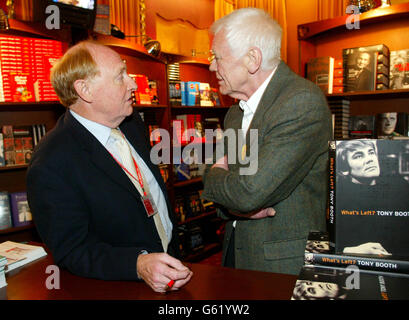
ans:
(20, 210)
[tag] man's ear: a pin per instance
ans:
(254, 58)
(83, 90)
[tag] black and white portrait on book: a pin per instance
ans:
(372, 196)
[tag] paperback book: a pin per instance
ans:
(318, 252)
(368, 196)
(325, 283)
(320, 70)
(19, 254)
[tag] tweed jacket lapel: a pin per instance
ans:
(267, 100)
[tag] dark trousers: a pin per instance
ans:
(229, 261)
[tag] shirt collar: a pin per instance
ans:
(250, 106)
(99, 131)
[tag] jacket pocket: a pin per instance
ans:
(284, 249)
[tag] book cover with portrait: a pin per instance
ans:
(21, 213)
(368, 203)
(327, 283)
(361, 65)
(399, 69)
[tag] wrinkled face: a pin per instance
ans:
(112, 88)
(363, 163)
(230, 70)
(388, 122)
(363, 60)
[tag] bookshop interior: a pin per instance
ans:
(325, 217)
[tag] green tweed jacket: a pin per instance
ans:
(294, 127)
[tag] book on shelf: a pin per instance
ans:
(215, 97)
(340, 109)
(153, 91)
(361, 66)
(5, 211)
(392, 125)
(320, 70)
(205, 95)
(2, 162)
(8, 145)
(333, 283)
(368, 196)
(175, 93)
(192, 92)
(318, 252)
(399, 69)
(25, 68)
(20, 210)
(142, 93)
(23, 144)
(19, 254)
(362, 126)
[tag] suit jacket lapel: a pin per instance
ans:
(99, 155)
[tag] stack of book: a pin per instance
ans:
(327, 275)
(340, 112)
(17, 143)
(338, 83)
(25, 68)
(365, 254)
(19, 254)
(320, 70)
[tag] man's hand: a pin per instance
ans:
(221, 163)
(368, 248)
(267, 212)
(157, 269)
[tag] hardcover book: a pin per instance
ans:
(324, 283)
(362, 126)
(5, 212)
(20, 210)
(399, 69)
(2, 162)
(318, 252)
(192, 93)
(368, 196)
(205, 95)
(361, 65)
(321, 71)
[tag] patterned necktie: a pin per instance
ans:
(128, 162)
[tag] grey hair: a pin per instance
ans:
(252, 27)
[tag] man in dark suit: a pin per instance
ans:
(273, 206)
(88, 210)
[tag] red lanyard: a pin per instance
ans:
(138, 172)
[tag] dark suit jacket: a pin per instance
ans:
(86, 210)
(294, 126)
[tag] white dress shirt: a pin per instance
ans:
(102, 133)
(249, 108)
